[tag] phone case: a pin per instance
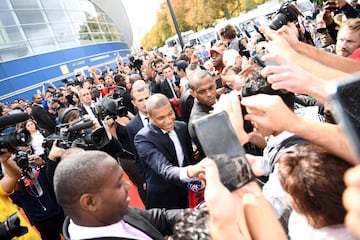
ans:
(344, 97)
(220, 143)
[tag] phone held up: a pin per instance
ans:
(220, 143)
(344, 97)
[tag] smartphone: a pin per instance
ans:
(344, 97)
(220, 143)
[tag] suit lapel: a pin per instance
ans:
(138, 222)
(165, 144)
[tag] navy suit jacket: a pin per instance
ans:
(133, 128)
(158, 155)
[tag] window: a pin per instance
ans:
(11, 34)
(52, 4)
(30, 16)
(57, 16)
(37, 31)
(28, 4)
(7, 18)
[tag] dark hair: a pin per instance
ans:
(314, 179)
(229, 31)
(256, 84)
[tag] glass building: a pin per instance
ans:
(50, 40)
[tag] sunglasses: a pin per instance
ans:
(322, 30)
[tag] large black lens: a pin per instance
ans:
(279, 20)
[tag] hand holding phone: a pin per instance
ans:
(344, 97)
(220, 143)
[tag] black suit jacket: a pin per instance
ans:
(198, 110)
(158, 155)
(133, 128)
(84, 111)
(43, 118)
(164, 87)
(156, 223)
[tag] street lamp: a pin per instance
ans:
(178, 32)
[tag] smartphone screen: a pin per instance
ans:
(220, 143)
(344, 97)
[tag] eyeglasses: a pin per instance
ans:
(322, 30)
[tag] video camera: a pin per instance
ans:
(79, 135)
(11, 228)
(112, 107)
(10, 141)
(288, 12)
(19, 138)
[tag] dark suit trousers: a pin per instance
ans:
(130, 167)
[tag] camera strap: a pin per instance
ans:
(32, 183)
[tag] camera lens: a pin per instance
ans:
(279, 20)
(18, 138)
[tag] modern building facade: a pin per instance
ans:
(50, 40)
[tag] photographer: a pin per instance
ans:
(85, 132)
(36, 196)
(7, 186)
(113, 117)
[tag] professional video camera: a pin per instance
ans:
(111, 107)
(79, 135)
(19, 138)
(11, 228)
(288, 12)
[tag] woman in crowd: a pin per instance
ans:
(37, 137)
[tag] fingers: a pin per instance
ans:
(352, 176)
(212, 173)
(269, 33)
(352, 221)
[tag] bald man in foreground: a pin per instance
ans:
(91, 189)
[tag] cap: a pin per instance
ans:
(181, 64)
(217, 50)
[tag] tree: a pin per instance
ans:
(193, 15)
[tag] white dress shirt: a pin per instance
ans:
(119, 229)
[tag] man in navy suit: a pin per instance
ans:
(165, 151)
(139, 95)
(92, 191)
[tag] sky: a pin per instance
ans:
(142, 15)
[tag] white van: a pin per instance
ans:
(205, 37)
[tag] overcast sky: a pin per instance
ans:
(142, 15)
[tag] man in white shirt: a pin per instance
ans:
(92, 191)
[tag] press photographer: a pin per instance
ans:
(111, 112)
(12, 223)
(84, 132)
(77, 131)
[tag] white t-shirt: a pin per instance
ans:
(299, 229)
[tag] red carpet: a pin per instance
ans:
(135, 200)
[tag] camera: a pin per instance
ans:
(288, 12)
(10, 141)
(11, 228)
(79, 135)
(22, 160)
(111, 107)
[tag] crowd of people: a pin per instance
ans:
(139, 119)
